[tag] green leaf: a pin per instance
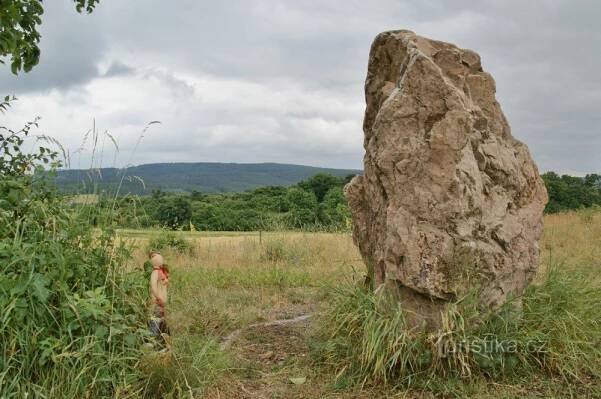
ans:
(101, 331)
(130, 340)
(39, 290)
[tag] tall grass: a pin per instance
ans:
(365, 337)
(194, 364)
(233, 280)
(229, 281)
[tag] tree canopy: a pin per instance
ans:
(19, 35)
(320, 184)
(570, 192)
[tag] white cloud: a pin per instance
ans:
(204, 118)
(258, 80)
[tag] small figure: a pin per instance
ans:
(159, 280)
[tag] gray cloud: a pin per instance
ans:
(260, 80)
(71, 49)
(118, 68)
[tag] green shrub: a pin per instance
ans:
(278, 250)
(273, 251)
(302, 208)
(199, 361)
(171, 242)
(587, 215)
(174, 213)
(72, 317)
(333, 210)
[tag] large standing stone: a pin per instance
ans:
(449, 200)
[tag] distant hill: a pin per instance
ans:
(209, 177)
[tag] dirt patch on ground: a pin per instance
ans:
(273, 362)
(272, 346)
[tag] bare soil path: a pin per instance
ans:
(273, 361)
(282, 322)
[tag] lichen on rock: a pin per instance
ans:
(448, 199)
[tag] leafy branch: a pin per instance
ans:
(19, 35)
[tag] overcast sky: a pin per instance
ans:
(282, 81)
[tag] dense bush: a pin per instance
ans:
(174, 213)
(72, 318)
(317, 203)
(320, 184)
(169, 241)
(333, 210)
(569, 192)
(302, 207)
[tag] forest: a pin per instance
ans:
(570, 192)
(316, 203)
(206, 177)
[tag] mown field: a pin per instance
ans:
(227, 288)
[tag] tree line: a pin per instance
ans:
(315, 203)
(570, 192)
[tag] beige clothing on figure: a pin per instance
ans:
(159, 279)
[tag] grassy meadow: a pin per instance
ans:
(227, 289)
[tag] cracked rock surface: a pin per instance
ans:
(449, 200)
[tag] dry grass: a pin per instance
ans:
(226, 282)
(245, 278)
(231, 280)
(574, 240)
